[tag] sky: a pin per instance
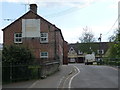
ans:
(71, 16)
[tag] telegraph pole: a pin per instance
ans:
(100, 51)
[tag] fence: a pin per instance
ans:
(13, 72)
(111, 61)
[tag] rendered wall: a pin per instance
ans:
(30, 27)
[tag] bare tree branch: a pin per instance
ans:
(87, 36)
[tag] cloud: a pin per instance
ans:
(77, 3)
(14, 1)
(72, 34)
(71, 3)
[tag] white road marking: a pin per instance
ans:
(73, 77)
(65, 81)
(33, 84)
(113, 68)
(60, 81)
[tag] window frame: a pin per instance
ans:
(80, 52)
(15, 41)
(102, 51)
(44, 37)
(44, 56)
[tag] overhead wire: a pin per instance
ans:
(73, 9)
(67, 11)
(112, 26)
(64, 12)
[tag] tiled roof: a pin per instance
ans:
(85, 47)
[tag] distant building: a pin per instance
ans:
(77, 51)
(33, 31)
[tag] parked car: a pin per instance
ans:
(72, 60)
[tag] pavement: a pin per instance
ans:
(51, 81)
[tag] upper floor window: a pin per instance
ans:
(44, 38)
(18, 38)
(80, 52)
(43, 54)
(100, 51)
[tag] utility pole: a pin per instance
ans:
(100, 51)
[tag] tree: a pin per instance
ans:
(115, 47)
(114, 50)
(114, 37)
(87, 36)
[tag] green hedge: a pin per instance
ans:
(15, 62)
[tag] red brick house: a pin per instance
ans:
(33, 31)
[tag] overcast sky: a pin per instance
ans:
(71, 17)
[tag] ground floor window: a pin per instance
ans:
(43, 54)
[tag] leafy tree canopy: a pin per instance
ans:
(114, 51)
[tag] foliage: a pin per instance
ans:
(0, 55)
(111, 61)
(15, 63)
(114, 51)
(113, 37)
(17, 54)
(87, 36)
(115, 47)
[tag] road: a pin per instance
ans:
(76, 76)
(93, 76)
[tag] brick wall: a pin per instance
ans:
(59, 45)
(65, 51)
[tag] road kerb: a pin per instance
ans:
(73, 76)
(66, 81)
(65, 78)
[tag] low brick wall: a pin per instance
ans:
(49, 68)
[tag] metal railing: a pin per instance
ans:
(14, 72)
(111, 61)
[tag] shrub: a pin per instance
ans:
(15, 63)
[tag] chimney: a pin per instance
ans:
(33, 7)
